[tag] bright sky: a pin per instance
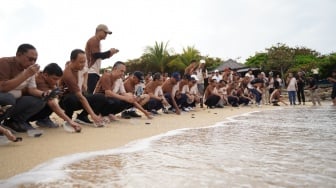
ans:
(217, 28)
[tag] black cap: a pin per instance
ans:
(139, 75)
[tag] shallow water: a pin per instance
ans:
(291, 147)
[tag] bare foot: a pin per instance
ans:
(112, 117)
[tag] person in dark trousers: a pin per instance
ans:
(73, 98)
(47, 81)
(332, 79)
(94, 55)
(18, 89)
(314, 90)
(301, 80)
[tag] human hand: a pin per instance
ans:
(51, 94)
(149, 115)
(31, 70)
(113, 51)
(97, 119)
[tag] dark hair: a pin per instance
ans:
(193, 61)
(75, 52)
(23, 48)
(53, 69)
(156, 76)
(117, 64)
(221, 81)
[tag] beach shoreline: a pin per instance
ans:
(17, 158)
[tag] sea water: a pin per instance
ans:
(288, 147)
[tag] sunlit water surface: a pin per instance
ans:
(291, 147)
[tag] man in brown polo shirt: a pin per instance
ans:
(17, 74)
(73, 98)
(47, 81)
(134, 84)
(157, 100)
(95, 56)
(170, 88)
(112, 86)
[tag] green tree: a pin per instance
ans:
(157, 55)
(189, 54)
(259, 60)
(280, 58)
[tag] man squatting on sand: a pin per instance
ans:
(28, 95)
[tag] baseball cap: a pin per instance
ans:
(177, 76)
(202, 61)
(103, 27)
(139, 75)
(194, 77)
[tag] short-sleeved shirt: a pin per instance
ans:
(193, 89)
(69, 81)
(9, 69)
(92, 47)
(158, 91)
(292, 84)
(119, 87)
(185, 89)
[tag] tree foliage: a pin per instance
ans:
(284, 59)
(280, 58)
(157, 55)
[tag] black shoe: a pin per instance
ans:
(84, 120)
(165, 110)
(125, 115)
(18, 127)
(134, 114)
(154, 112)
(27, 126)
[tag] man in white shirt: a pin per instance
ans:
(95, 56)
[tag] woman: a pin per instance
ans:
(291, 88)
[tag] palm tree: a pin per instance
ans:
(157, 55)
(189, 54)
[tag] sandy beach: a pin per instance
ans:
(21, 157)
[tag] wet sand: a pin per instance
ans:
(20, 157)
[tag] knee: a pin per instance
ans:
(7, 99)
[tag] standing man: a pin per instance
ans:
(95, 56)
(332, 79)
(301, 81)
(314, 90)
(201, 73)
